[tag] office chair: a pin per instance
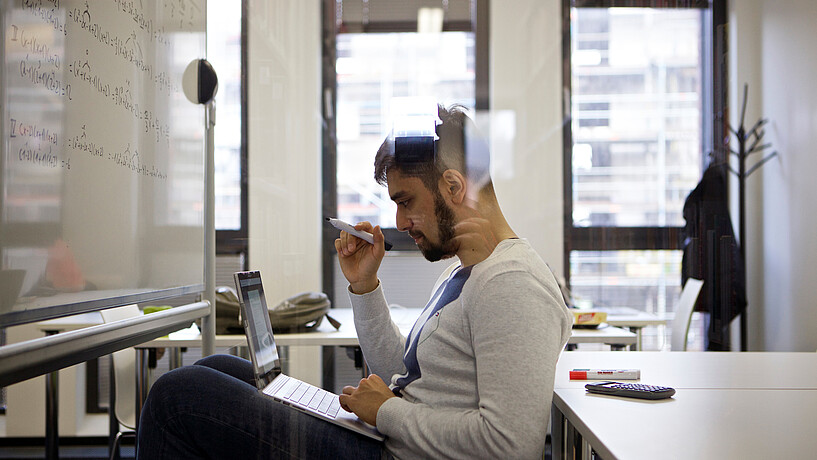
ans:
(124, 381)
(683, 314)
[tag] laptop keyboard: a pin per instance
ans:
(304, 395)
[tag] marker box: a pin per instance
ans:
(605, 374)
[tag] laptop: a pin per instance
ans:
(268, 376)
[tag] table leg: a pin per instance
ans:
(174, 359)
(566, 441)
(52, 437)
(573, 441)
(356, 354)
(52, 448)
(557, 434)
(113, 422)
(587, 451)
(142, 380)
(242, 352)
(638, 345)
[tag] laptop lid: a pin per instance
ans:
(263, 351)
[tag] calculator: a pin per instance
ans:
(630, 390)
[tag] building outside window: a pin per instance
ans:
(638, 117)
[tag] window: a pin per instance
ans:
(637, 111)
(634, 147)
(373, 69)
(226, 52)
(374, 51)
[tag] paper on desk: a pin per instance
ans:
(191, 332)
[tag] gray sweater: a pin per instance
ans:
(486, 360)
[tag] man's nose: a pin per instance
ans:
(403, 223)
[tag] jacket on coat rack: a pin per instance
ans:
(711, 253)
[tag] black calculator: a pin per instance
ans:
(630, 390)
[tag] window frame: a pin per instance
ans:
(606, 238)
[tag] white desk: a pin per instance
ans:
(700, 369)
(695, 424)
(326, 335)
(727, 405)
(616, 337)
(632, 319)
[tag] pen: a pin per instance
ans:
(605, 374)
(365, 236)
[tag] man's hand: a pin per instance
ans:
(365, 399)
(359, 260)
(473, 240)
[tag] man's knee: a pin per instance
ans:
(158, 407)
(215, 361)
(170, 387)
(231, 365)
(175, 378)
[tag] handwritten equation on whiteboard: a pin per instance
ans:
(96, 81)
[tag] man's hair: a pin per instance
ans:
(459, 147)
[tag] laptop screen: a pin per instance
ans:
(257, 324)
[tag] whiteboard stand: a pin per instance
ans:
(208, 323)
(200, 85)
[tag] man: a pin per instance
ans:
(473, 380)
(475, 377)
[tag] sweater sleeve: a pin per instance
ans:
(380, 339)
(517, 331)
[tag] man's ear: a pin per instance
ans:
(453, 185)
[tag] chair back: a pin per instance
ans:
(683, 314)
(124, 366)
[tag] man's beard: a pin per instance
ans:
(445, 227)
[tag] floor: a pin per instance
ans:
(86, 449)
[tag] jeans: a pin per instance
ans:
(212, 409)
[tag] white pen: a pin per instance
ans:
(365, 236)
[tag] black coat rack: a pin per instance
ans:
(751, 138)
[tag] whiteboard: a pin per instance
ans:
(102, 155)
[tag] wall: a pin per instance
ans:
(284, 144)
(526, 108)
(744, 69)
(770, 50)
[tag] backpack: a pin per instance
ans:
(302, 312)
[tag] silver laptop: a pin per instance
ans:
(268, 376)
